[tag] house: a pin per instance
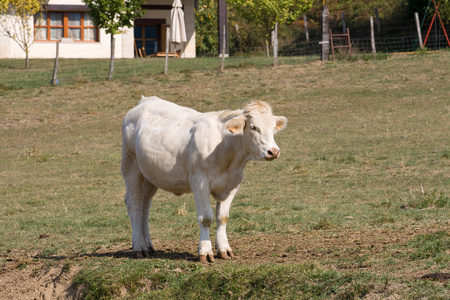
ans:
(69, 22)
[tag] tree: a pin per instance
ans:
(206, 30)
(358, 12)
(114, 16)
(420, 6)
(265, 13)
(17, 22)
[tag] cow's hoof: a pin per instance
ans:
(228, 254)
(206, 258)
(142, 254)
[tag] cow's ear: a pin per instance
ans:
(235, 125)
(281, 123)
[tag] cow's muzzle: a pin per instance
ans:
(272, 154)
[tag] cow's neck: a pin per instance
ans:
(230, 165)
(236, 155)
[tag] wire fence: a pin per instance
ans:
(390, 37)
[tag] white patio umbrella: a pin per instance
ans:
(177, 25)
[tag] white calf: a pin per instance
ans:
(181, 150)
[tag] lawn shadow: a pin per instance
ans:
(158, 254)
(125, 253)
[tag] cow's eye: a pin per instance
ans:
(254, 128)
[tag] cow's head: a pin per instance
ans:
(258, 125)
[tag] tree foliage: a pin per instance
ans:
(265, 13)
(114, 16)
(21, 7)
(17, 21)
(421, 6)
(206, 28)
(359, 12)
(249, 27)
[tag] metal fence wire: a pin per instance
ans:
(391, 37)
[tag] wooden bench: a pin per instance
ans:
(163, 54)
(141, 53)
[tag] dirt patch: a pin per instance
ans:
(35, 282)
(437, 276)
(28, 276)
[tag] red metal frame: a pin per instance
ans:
(436, 12)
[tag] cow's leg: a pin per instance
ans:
(222, 213)
(205, 218)
(149, 192)
(134, 199)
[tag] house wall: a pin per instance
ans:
(189, 17)
(102, 49)
(124, 42)
(188, 49)
(47, 49)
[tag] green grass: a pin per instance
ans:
(128, 71)
(357, 205)
(431, 246)
(187, 281)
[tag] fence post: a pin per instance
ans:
(267, 49)
(325, 33)
(275, 45)
(419, 32)
(55, 68)
(167, 50)
(306, 28)
(372, 36)
(222, 64)
(344, 27)
(222, 11)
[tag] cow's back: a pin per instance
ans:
(171, 111)
(157, 134)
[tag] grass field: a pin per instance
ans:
(356, 207)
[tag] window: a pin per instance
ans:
(54, 25)
(147, 37)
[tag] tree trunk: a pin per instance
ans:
(27, 60)
(111, 62)
(55, 68)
